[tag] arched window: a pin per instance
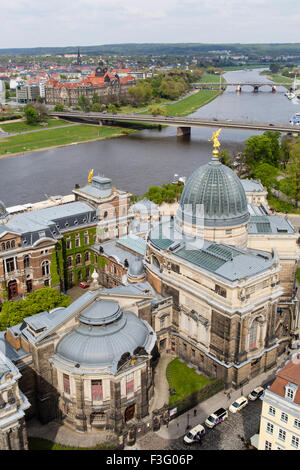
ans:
(78, 258)
(253, 335)
(87, 256)
(3, 246)
(26, 261)
(155, 262)
(7, 245)
(45, 268)
(69, 261)
(12, 244)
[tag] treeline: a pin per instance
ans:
(162, 49)
(166, 193)
(170, 86)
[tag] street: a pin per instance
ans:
(225, 436)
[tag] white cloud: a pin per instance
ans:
(30, 23)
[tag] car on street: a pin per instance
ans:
(216, 417)
(238, 404)
(194, 435)
(83, 285)
(256, 393)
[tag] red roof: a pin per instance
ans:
(290, 373)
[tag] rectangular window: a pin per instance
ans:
(66, 382)
(162, 323)
(290, 394)
(10, 265)
(295, 441)
(284, 417)
(129, 384)
(297, 423)
(270, 428)
(220, 291)
(68, 244)
(272, 410)
(281, 434)
(268, 445)
(97, 392)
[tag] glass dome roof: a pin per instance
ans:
(215, 189)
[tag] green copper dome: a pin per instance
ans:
(218, 191)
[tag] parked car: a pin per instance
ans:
(83, 285)
(238, 404)
(216, 417)
(194, 435)
(256, 393)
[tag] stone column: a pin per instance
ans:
(80, 417)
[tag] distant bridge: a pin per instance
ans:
(239, 85)
(183, 124)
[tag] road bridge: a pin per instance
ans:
(239, 85)
(183, 124)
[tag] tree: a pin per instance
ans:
(157, 110)
(7, 95)
(83, 102)
(95, 98)
(261, 149)
(293, 169)
(274, 68)
(225, 158)
(96, 107)
(44, 299)
(111, 108)
(31, 115)
(59, 107)
(266, 174)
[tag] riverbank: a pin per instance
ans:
(54, 138)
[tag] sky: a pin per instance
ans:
(36, 23)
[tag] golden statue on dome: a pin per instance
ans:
(215, 141)
(91, 173)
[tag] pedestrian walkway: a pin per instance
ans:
(161, 386)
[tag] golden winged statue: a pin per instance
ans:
(215, 139)
(90, 176)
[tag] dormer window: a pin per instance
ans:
(290, 391)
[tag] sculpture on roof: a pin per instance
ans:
(215, 140)
(91, 173)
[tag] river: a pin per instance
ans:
(149, 157)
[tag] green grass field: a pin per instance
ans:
(192, 103)
(55, 137)
(277, 78)
(22, 126)
(184, 380)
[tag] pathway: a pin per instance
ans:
(161, 386)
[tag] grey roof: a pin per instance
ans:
(275, 224)
(217, 189)
(10, 352)
(227, 261)
(133, 243)
(50, 222)
(51, 320)
(145, 206)
(252, 185)
(119, 248)
(100, 187)
(101, 345)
